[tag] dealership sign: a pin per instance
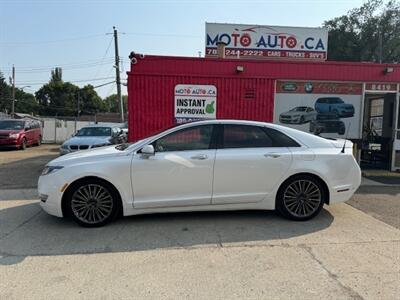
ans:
(195, 102)
(259, 41)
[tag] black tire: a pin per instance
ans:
(23, 144)
(88, 211)
(39, 141)
(304, 205)
(302, 121)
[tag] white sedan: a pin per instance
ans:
(207, 165)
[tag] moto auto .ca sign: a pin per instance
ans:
(256, 41)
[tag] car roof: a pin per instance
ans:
(102, 125)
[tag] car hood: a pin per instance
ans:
(87, 140)
(87, 155)
(293, 113)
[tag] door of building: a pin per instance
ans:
(379, 126)
(396, 144)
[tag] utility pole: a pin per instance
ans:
(13, 92)
(117, 75)
(380, 45)
(78, 104)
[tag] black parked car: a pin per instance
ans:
(327, 123)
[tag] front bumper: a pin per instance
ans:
(289, 120)
(346, 114)
(9, 143)
(49, 189)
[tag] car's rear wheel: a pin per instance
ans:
(92, 203)
(300, 198)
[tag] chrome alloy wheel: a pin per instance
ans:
(92, 203)
(302, 198)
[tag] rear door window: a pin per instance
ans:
(245, 136)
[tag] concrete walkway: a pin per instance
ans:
(341, 254)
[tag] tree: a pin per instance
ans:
(91, 102)
(56, 74)
(356, 36)
(25, 102)
(112, 103)
(61, 98)
(58, 98)
(5, 94)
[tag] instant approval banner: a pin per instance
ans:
(195, 102)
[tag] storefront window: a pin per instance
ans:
(376, 115)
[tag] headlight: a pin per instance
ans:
(13, 135)
(50, 169)
(63, 146)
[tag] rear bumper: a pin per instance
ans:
(344, 189)
(342, 193)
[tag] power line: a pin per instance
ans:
(104, 56)
(78, 80)
(163, 35)
(64, 68)
(61, 65)
(17, 43)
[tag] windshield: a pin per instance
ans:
(300, 108)
(12, 125)
(94, 131)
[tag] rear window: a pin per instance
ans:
(280, 139)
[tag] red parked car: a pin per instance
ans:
(19, 134)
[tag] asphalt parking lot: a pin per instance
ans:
(350, 251)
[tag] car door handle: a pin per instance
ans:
(199, 156)
(273, 155)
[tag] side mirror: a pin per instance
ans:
(148, 150)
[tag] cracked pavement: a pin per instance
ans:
(343, 253)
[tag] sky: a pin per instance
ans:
(38, 35)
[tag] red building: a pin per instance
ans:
(361, 100)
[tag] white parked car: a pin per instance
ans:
(298, 115)
(207, 165)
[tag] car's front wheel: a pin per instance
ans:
(92, 202)
(23, 144)
(300, 198)
(39, 142)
